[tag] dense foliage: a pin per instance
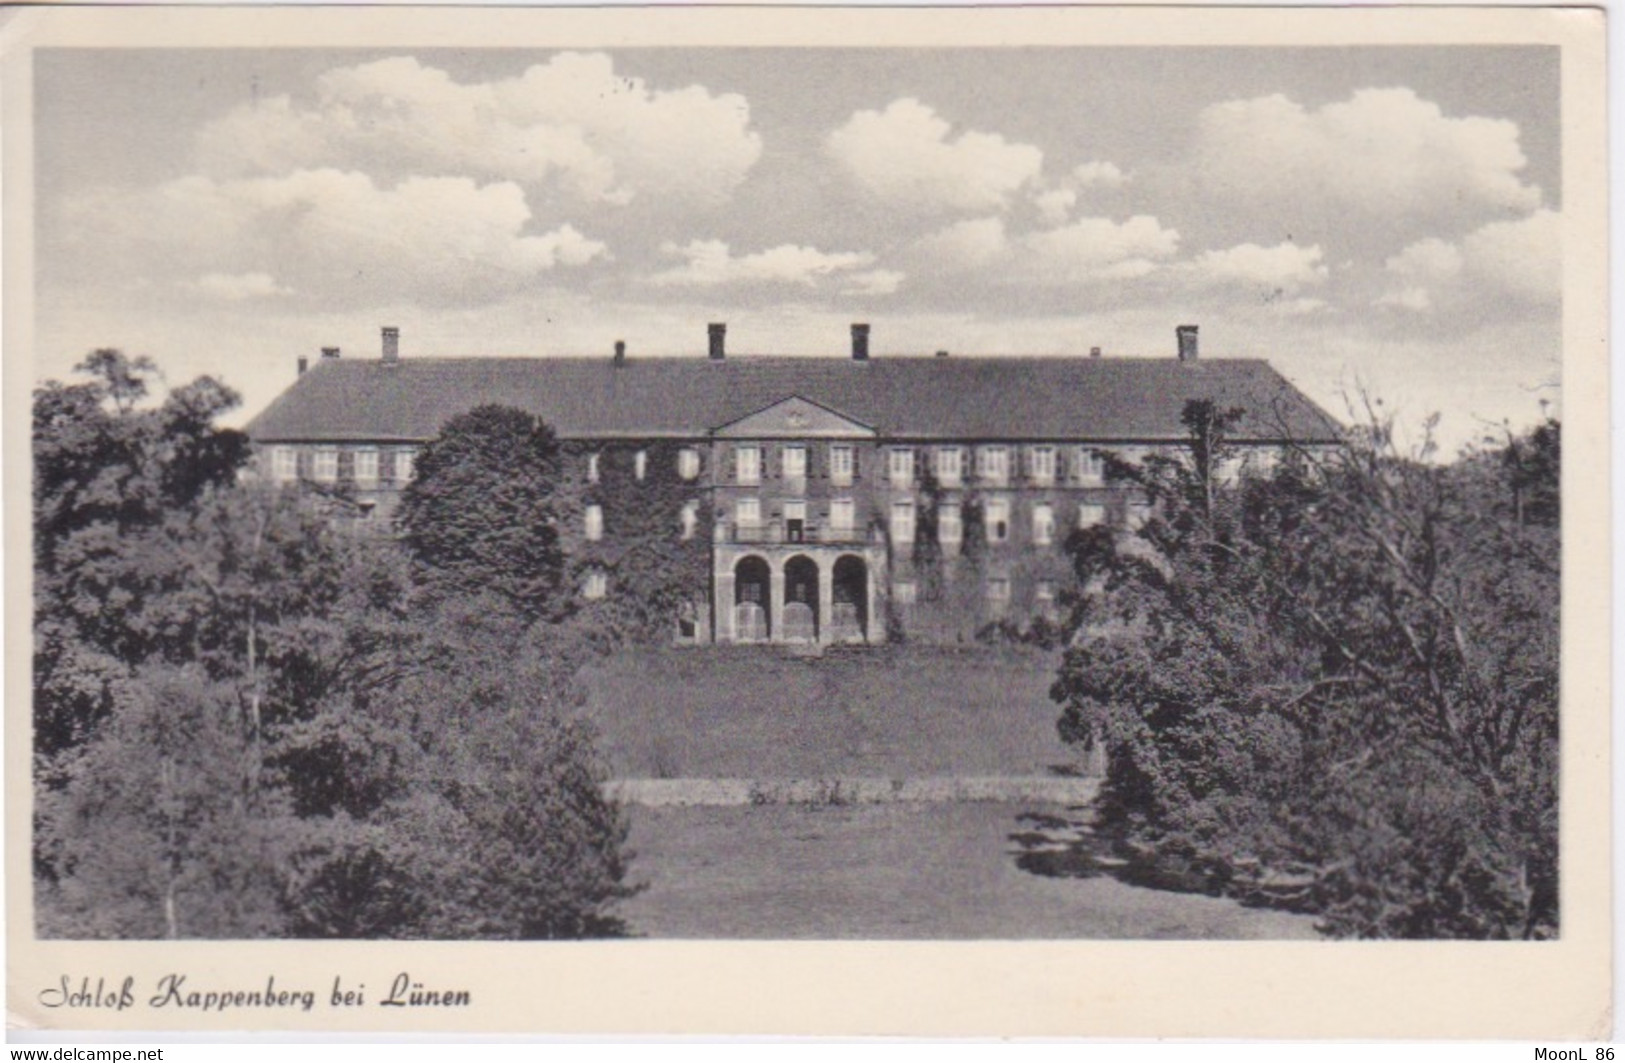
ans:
(652, 572)
(249, 723)
(481, 513)
(1333, 683)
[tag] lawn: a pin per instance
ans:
(892, 712)
(900, 871)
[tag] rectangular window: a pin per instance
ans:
(993, 465)
(900, 466)
(1139, 511)
(689, 518)
(902, 522)
(405, 459)
(1088, 468)
(904, 592)
(1041, 465)
(795, 522)
(748, 512)
(688, 463)
(747, 465)
(1043, 524)
(998, 589)
(325, 468)
(841, 466)
(950, 526)
(640, 465)
(842, 515)
(795, 463)
(1044, 598)
(1091, 514)
(595, 523)
(596, 585)
(284, 463)
(592, 468)
(950, 466)
(998, 520)
(366, 466)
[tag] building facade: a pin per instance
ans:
(834, 500)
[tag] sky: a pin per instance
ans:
(1371, 220)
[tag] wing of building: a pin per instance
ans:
(841, 499)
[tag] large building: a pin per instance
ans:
(839, 499)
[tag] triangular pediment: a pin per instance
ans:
(793, 418)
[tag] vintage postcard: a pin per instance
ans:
(903, 521)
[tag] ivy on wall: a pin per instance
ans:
(653, 575)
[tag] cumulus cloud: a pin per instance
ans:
(1383, 153)
(1055, 205)
(339, 234)
(1099, 175)
(1412, 298)
(1092, 249)
(571, 125)
(1086, 251)
(1057, 197)
(1426, 260)
(1501, 263)
(236, 287)
(965, 245)
(1523, 258)
(711, 263)
(874, 282)
(906, 157)
(1285, 269)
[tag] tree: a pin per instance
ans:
(156, 832)
(480, 514)
(1335, 681)
(109, 466)
(251, 725)
(493, 822)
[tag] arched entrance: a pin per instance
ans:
(849, 620)
(800, 599)
(752, 583)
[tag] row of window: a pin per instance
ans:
(996, 519)
(688, 465)
(996, 589)
(688, 521)
(950, 521)
(1042, 464)
(843, 518)
(366, 465)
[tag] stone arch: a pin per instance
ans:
(800, 618)
(849, 619)
(753, 586)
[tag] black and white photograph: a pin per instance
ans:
(625, 488)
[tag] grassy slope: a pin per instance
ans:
(750, 712)
(894, 871)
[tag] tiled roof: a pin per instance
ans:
(1057, 398)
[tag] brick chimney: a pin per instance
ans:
(304, 364)
(1187, 342)
(392, 343)
(1094, 352)
(942, 354)
(620, 352)
(860, 343)
(718, 333)
(329, 352)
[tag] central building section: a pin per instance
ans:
(799, 549)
